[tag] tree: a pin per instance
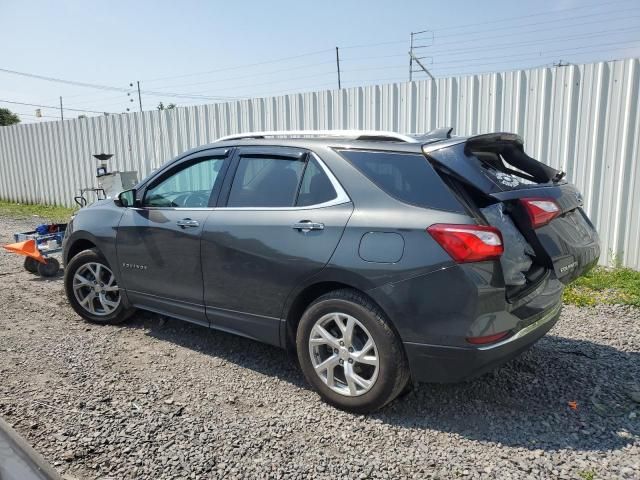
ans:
(7, 117)
(171, 106)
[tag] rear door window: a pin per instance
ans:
(407, 177)
(316, 188)
(266, 181)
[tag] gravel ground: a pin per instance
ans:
(157, 398)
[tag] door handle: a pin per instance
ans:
(307, 225)
(187, 222)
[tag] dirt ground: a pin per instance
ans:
(157, 398)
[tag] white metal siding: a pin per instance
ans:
(583, 119)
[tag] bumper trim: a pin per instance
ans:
(547, 317)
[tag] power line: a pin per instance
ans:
(541, 53)
(102, 87)
(531, 57)
(506, 19)
(247, 65)
(301, 77)
(49, 106)
(553, 20)
(252, 75)
(502, 46)
(491, 37)
(529, 42)
(219, 80)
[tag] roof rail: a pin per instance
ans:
(354, 134)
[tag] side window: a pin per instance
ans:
(189, 187)
(316, 188)
(407, 177)
(266, 182)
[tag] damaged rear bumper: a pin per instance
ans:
(438, 363)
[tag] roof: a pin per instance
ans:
(357, 139)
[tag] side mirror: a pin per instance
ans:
(127, 198)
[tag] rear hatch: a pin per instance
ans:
(500, 183)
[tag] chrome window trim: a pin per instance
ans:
(340, 199)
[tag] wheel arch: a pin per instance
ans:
(307, 295)
(77, 245)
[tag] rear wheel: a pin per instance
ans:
(30, 265)
(349, 352)
(50, 268)
(92, 289)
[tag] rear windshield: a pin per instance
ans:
(407, 177)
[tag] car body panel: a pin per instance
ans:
(252, 259)
(152, 248)
(96, 223)
(19, 461)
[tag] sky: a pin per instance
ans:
(193, 52)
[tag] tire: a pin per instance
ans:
(384, 372)
(31, 265)
(103, 303)
(49, 269)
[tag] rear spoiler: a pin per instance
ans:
(511, 148)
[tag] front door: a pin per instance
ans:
(280, 220)
(158, 243)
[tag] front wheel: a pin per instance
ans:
(349, 353)
(92, 289)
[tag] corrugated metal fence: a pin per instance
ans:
(583, 119)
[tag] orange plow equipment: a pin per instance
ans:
(27, 248)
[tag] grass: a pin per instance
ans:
(51, 213)
(587, 474)
(605, 286)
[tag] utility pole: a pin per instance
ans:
(417, 60)
(139, 96)
(61, 111)
(411, 57)
(423, 38)
(338, 65)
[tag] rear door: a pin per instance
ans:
(495, 168)
(158, 243)
(280, 218)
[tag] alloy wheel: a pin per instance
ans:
(95, 289)
(344, 354)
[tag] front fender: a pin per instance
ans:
(98, 225)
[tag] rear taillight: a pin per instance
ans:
(468, 243)
(540, 210)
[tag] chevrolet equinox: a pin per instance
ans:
(380, 259)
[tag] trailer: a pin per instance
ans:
(38, 247)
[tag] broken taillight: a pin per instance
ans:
(468, 243)
(540, 210)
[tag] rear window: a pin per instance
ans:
(407, 177)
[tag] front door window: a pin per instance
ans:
(190, 187)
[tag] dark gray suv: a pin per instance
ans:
(379, 258)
